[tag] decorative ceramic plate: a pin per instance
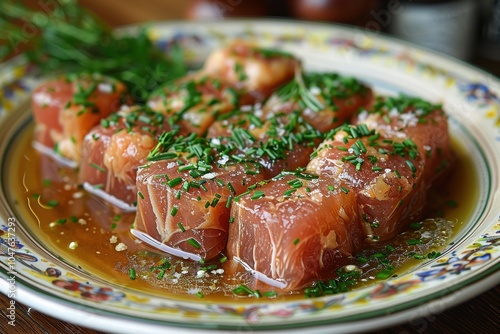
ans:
(466, 267)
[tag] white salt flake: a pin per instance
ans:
(209, 176)
(223, 160)
(78, 194)
(105, 88)
(121, 247)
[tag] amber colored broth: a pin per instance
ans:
(97, 256)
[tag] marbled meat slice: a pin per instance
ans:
(325, 100)
(114, 149)
(283, 141)
(424, 123)
(184, 201)
(386, 164)
(66, 108)
(295, 230)
(192, 103)
(252, 69)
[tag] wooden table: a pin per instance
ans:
(479, 315)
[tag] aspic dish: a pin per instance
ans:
(258, 194)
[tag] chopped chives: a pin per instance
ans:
(132, 274)
(411, 165)
(181, 227)
(186, 167)
(433, 255)
(174, 211)
(258, 194)
(270, 294)
(52, 203)
(243, 289)
(229, 201)
(230, 187)
(194, 243)
(174, 182)
(384, 274)
(161, 274)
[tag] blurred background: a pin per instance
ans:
(466, 29)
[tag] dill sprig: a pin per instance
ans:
(307, 87)
(68, 39)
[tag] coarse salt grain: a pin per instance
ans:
(121, 247)
(78, 194)
(105, 88)
(113, 239)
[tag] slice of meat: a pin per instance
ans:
(252, 69)
(192, 103)
(184, 202)
(114, 150)
(389, 194)
(280, 142)
(424, 123)
(326, 100)
(384, 160)
(295, 230)
(66, 108)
